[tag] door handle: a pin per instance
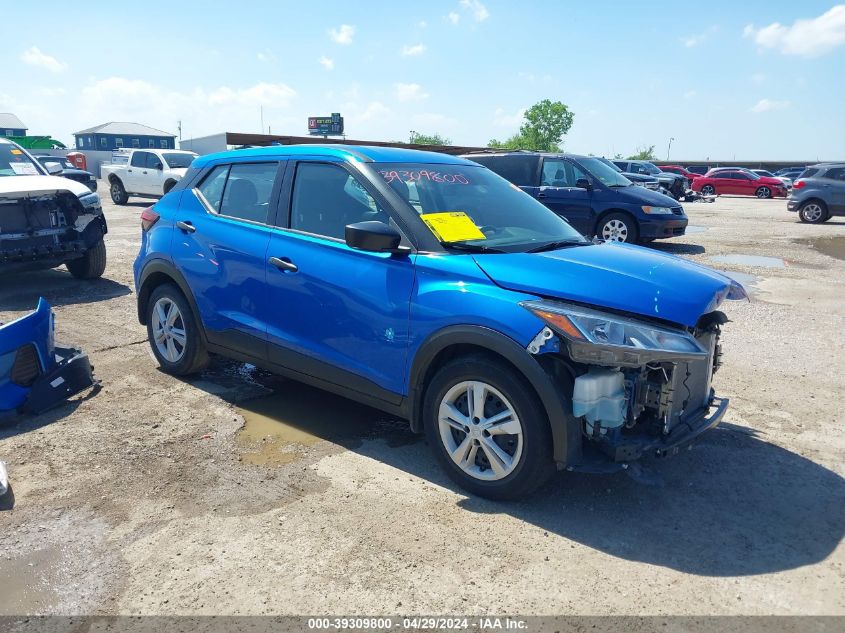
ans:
(541, 195)
(186, 226)
(284, 264)
(144, 172)
(129, 170)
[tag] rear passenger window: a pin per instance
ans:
(247, 192)
(520, 170)
(139, 159)
(212, 186)
(837, 173)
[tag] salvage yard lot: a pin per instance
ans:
(145, 498)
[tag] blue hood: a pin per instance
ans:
(641, 195)
(613, 275)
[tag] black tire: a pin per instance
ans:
(118, 192)
(612, 221)
(763, 192)
(91, 265)
(168, 186)
(195, 355)
(535, 464)
(813, 212)
(708, 190)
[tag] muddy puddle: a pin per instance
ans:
(281, 427)
(25, 583)
(830, 246)
(760, 261)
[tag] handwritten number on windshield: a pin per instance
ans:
(416, 176)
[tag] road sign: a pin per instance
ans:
(326, 125)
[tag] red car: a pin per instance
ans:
(739, 182)
(681, 171)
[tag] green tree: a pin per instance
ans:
(546, 123)
(644, 153)
(429, 139)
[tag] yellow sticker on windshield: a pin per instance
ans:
(16, 151)
(452, 226)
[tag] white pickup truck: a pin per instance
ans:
(144, 172)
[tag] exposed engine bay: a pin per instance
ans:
(45, 229)
(632, 401)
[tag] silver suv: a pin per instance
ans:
(819, 193)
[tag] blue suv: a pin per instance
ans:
(429, 287)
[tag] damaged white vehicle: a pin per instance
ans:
(47, 221)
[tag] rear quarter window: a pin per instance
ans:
(520, 170)
(808, 173)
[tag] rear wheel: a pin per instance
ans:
(173, 332)
(118, 192)
(618, 227)
(487, 428)
(763, 192)
(91, 265)
(708, 190)
(813, 212)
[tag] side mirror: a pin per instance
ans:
(53, 168)
(158, 166)
(374, 236)
(583, 183)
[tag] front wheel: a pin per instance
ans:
(813, 212)
(173, 332)
(91, 265)
(763, 192)
(618, 227)
(487, 428)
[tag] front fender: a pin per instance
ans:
(565, 429)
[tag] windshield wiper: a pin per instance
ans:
(551, 246)
(472, 248)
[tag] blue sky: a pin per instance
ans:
(750, 80)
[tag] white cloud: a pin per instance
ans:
(343, 34)
(34, 57)
(374, 110)
(326, 62)
(806, 38)
(410, 92)
(478, 10)
(691, 41)
(690, 94)
(265, 56)
(453, 17)
(767, 105)
(410, 51)
(506, 119)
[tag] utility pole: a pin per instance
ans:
(669, 149)
(179, 126)
(411, 138)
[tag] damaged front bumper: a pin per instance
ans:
(35, 374)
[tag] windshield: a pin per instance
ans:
(178, 161)
(650, 169)
(15, 162)
(598, 168)
(470, 205)
(610, 164)
(763, 172)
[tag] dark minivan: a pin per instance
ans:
(594, 198)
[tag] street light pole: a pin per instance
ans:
(669, 149)
(411, 138)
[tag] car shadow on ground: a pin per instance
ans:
(735, 505)
(21, 291)
(677, 248)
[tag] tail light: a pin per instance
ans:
(148, 218)
(799, 184)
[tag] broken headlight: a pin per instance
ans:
(602, 338)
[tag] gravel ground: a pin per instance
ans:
(144, 499)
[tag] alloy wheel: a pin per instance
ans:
(480, 430)
(708, 190)
(812, 212)
(615, 231)
(169, 330)
(764, 192)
